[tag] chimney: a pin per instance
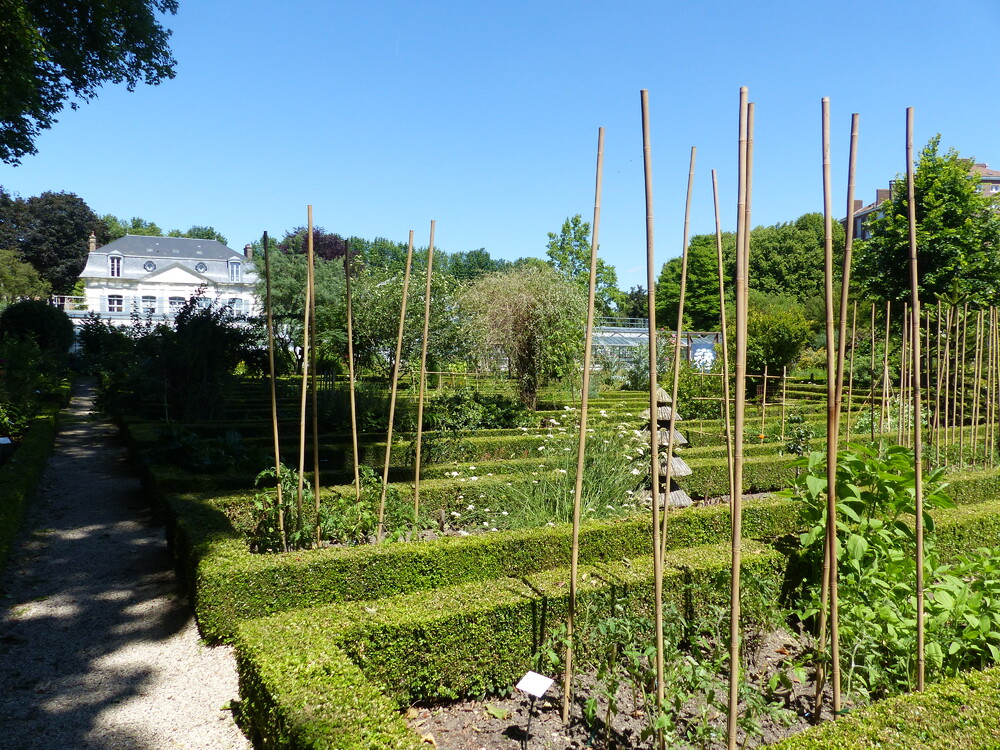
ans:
(248, 250)
(858, 204)
(92, 243)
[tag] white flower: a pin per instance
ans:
(487, 510)
(485, 523)
(472, 468)
(541, 447)
(490, 474)
(471, 507)
(610, 507)
(503, 513)
(463, 532)
(524, 429)
(561, 471)
(603, 413)
(493, 529)
(509, 484)
(635, 472)
(629, 492)
(456, 514)
(550, 524)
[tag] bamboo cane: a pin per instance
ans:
(961, 389)
(988, 394)
(725, 339)
(582, 442)
(763, 407)
(938, 372)
(845, 285)
(850, 380)
(305, 392)
(927, 369)
(977, 388)
(312, 380)
(739, 405)
(350, 376)
(671, 422)
(917, 447)
(946, 402)
(883, 409)
(900, 420)
(871, 377)
(784, 399)
(393, 389)
(423, 378)
(834, 384)
(654, 452)
(279, 500)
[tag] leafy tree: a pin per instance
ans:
(55, 51)
(532, 316)
(114, 228)
(198, 232)
(20, 280)
(469, 265)
(50, 232)
(635, 303)
(958, 236)
(777, 332)
(569, 254)
(701, 299)
(326, 245)
(376, 304)
(49, 327)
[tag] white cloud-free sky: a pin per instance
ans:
(484, 115)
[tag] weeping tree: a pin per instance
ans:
(534, 317)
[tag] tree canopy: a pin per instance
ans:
(115, 228)
(19, 280)
(56, 51)
(569, 254)
(958, 236)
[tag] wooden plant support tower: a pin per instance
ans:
(672, 496)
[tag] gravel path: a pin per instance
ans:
(98, 647)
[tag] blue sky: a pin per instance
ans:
(484, 115)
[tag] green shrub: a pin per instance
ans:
(47, 325)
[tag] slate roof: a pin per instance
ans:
(170, 247)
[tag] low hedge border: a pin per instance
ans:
(961, 713)
(470, 639)
(20, 475)
(230, 584)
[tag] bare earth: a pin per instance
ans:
(98, 647)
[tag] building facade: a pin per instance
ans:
(154, 276)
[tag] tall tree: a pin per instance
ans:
(19, 280)
(958, 235)
(54, 51)
(50, 232)
(532, 316)
(569, 254)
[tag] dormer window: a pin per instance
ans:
(115, 265)
(234, 271)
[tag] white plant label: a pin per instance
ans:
(534, 684)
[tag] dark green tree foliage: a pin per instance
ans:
(569, 254)
(958, 236)
(468, 265)
(326, 245)
(47, 326)
(20, 280)
(50, 232)
(777, 332)
(54, 51)
(635, 303)
(701, 299)
(114, 228)
(198, 232)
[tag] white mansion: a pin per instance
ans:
(155, 276)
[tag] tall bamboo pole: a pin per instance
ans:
(279, 500)
(784, 399)
(884, 408)
(582, 441)
(305, 392)
(763, 406)
(927, 368)
(423, 378)
(938, 372)
(671, 422)
(845, 287)
(850, 379)
(903, 359)
(871, 377)
(350, 375)
(739, 406)
(312, 380)
(990, 380)
(917, 443)
(725, 339)
(978, 386)
(961, 388)
(949, 314)
(394, 387)
(654, 452)
(834, 384)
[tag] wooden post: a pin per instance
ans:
(423, 378)
(845, 286)
(305, 391)
(871, 374)
(850, 380)
(725, 338)
(350, 376)
(312, 380)
(978, 385)
(394, 388)
(784, 398)
(654, 452)
(739, 408)
(938, 373)
(903, 359)
(677, 356)
(763, 407)
(582, 442)
(961, 388)
(917, 447)
(883, 410)
(279, 500)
